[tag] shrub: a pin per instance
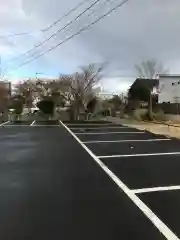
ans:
(91, 105)
(46, 106)
(158, 115)
(140, 114)
(16, 109)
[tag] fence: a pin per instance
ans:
(170, 108)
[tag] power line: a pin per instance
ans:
(54, 34)
(65, 15)
(50, 26)
(41, 43)
(75, 34)
(15, 34)
(93, 11)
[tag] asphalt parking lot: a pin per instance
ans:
(87, 180)
(147, 164)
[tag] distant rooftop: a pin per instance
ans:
(169, 75)
(150, 82)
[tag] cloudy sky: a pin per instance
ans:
(139, 30)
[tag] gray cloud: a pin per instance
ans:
(141, 29)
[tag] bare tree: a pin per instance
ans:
(77, 89)
(150, 69)
(82, 87)
(27, 90)
(74, 90)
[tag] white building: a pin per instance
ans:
(169, 88)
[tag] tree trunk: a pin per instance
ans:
(150, 115)
(77, 113)
(71, 115)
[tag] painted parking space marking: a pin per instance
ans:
(146, 172)
(140, 155)
(16, 125)
(33, 123)
(158, 223)
(160, 152)
(2, 124)
(166, 205)
(130, 148)
(130, 140)
(103, 129)
(102, 133)
(90, 124)
(23, 125)
(41, 125)
(155, 189)
(97, 128)
(10, 124)
(109, 137)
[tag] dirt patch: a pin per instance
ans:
(156, 128)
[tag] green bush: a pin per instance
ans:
(158, 115)
(46, 106)
(140, 114)
(91, 105)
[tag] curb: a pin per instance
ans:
(162, 123)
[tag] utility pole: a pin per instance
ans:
(0, 68)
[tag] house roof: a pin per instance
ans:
(149, 82)
(141, 88)
(169, 75)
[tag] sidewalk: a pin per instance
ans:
(169, 130)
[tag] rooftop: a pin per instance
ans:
(169, 75)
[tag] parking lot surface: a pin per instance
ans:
(87, 180)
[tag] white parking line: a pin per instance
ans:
(133, 140)
(140, 155)
(2, 124)
(23, 125)
(17, 125)
(33, 123)
(161, 226)
(101, 133)
(89, 124)
(155, 189)
(92, 128)
(45, 125)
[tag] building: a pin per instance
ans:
(141, 88)
(5, 95)
(6, 86)
(169, 88)
(107, 95)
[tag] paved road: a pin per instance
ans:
(52, 188)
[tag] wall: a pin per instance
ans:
(172, 117)
(168, 91)
(170, 108)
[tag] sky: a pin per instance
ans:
(139, 30)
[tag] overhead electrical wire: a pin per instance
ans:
(50, 26)
(69, 23)
(15, 34)
(65, 15)
(57, 32)
(74, 35)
